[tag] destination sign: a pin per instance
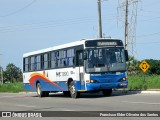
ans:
(103, 43)
(106, 43)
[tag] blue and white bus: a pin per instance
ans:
(88, 65)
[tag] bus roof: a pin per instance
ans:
(81, 42)
(53, 48)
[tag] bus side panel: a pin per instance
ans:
(28, 87)
(47, 86)
(53, 86)
(55, 80)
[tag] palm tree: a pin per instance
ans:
(132, 66)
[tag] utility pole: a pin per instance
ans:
(99, 19)
(126, 26)
(1, 75)
(130, 21)
(1, 70)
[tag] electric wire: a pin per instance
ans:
(51, 23)
(19, 10)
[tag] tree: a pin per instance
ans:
(12, 73)
(133, 65)
(154, 66)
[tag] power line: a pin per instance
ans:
(19, 10)
(152, 34)
(149, 43)
(51, 23)
(56, 23)
(147, 35)
(42, 25)
(149, 11)
(151, 19)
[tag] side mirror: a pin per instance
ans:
(84, 55)
(126, 55)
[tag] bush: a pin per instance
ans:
(137, 82)
(12, 87)
(154, 67)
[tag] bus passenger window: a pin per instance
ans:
(46, 61)
(38, 62)
(70, 57)
(26, 64)
(53, 60)
(32, 63)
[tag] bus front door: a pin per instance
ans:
(80, 65)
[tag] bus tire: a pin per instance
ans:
(67, 93)
(46, 93)
(107, 92)
(74, 94)
(40, 93)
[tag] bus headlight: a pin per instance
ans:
(122, 79)
(94, 81)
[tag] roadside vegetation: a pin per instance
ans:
(12, 79)
(142, 81)
(12, 87)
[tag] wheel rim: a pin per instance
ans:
(73, 91)
(38, 90)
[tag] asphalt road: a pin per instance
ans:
(87, 102)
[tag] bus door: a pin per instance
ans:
(80, 65)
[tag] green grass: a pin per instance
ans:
(137, 82)
(12, 87)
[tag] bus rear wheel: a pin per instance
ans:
(74, 94)
(107, 92)
(41, 93)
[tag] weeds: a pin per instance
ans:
(141, 82)
(12, 87)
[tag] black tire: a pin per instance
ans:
(67, 93)
(46, 94)
(107, 92)
(74, 94)
(40, 93)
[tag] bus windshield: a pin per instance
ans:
(105, 59)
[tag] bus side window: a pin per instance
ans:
(32, 63)
(42, 61)
(26, 64)
(70, 57)
(38, 62)
(46, 61)
(79, 58)
(63, 58)
(58, 58)
(53, 60)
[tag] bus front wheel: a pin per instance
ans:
(107, 92)
(67, 93)
(73, 92)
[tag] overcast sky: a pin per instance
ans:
(28, 25)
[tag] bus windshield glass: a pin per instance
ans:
(110, 59)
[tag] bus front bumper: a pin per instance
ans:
(102, 86)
